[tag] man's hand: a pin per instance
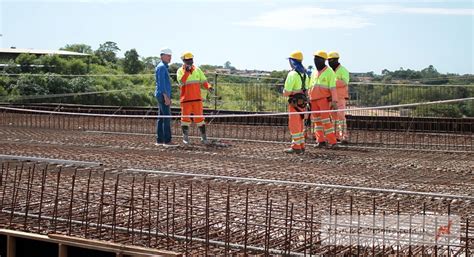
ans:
(334, 105)
(167, 100)
(211, 90)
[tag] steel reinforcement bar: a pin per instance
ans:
(210, 217)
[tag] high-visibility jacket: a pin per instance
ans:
(342, 82)
(190, 83)
(294, 84)
(323, 84)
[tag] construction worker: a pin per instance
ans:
(323, 96)
(295, 88)
(163, 96)
(190, 79)
(342, 88)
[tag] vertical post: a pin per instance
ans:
(467, 237)
(215, 91)
(71, 203)
(114, 213)
(157, 212)
(43, 182)
(11, 246)
(227, 225)
(246, 221)
(62, 250)
(56, 201)
(207, 219)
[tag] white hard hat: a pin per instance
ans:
(166, 51)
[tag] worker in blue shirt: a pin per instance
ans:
(163, 96)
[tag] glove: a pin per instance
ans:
(334, 105)
(211, 90)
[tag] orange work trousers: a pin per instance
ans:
(339, 119)
(323, 127)
(192, 108)
(296, 126)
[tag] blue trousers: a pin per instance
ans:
(163, 125)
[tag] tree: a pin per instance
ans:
(131, 63)
(108, 52)
(31, 85)
(429, 72)
(229, 66)
(76, 67)
(52, 63)
(56, 85)
(11, 67)
(78, 48)
(150, 62)
(173, 68)
(26, 61)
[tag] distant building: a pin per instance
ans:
(223, 71)
(361, 77)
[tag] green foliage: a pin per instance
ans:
(450, 111)
(3, 91)
(76, 67)
(131, 63)
(150, 63)
(28, 84)
(56, 85)
(12, 67)
(228, 65)
(107, 52)
(81, 84)
(108, 74)
(78, 48)
(26, 61)
(52, 63)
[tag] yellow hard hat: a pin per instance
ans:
(321, 54)
(187, 55)
(333, 55)
(297, 55)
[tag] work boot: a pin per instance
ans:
(344, 142)
(322, 144)
(333, 147)
(202, 129)
(294, 151)
(185, 130)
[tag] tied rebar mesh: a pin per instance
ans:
(206, 217)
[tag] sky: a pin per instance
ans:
(251, 34)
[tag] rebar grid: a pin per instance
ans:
(372, 133)
(201, 216)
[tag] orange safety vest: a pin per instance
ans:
(190, 83)
(323, 84)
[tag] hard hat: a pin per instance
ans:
(187, 55)
(321, 54)
(166, 51)
(333, 55)
(297, 55)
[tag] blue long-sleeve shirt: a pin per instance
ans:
(163, 83)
